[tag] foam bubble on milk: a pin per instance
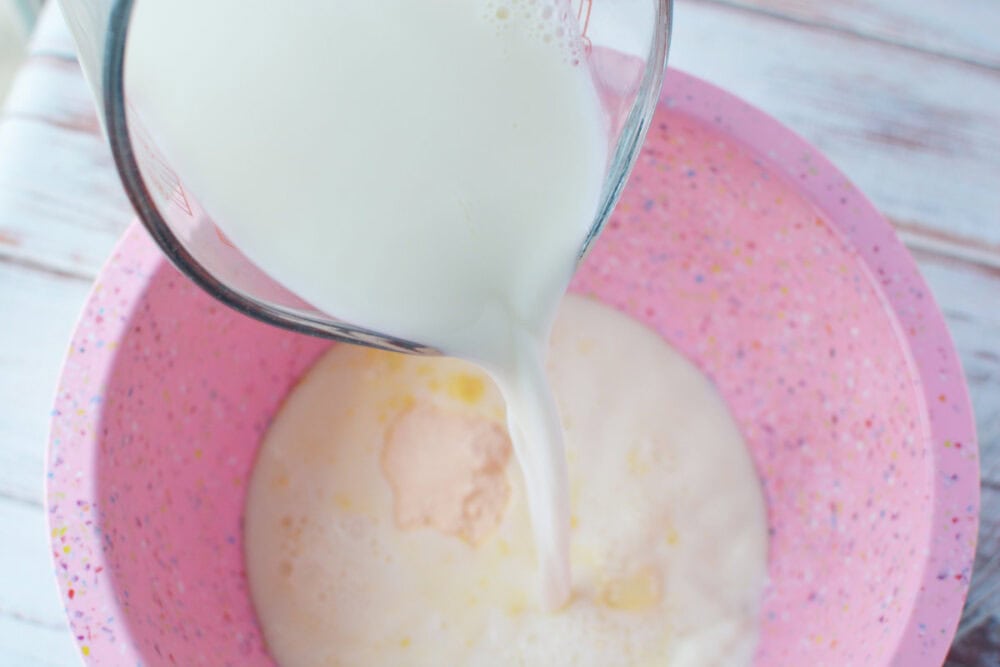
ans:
(553, 22)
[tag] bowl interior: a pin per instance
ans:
(713, 245)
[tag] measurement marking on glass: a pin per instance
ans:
(162, 176)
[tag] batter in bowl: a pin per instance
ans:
(386, 521)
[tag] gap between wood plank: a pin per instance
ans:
(735, 5)
(20, 500)
(34, 622)
(41, 267)
(918, 237)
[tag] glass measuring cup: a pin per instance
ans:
(625, 43)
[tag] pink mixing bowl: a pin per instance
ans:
(736, 241)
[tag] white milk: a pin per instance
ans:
(425, 169)
(350, 564)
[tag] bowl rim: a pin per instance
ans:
(932, 356)
(934, 617)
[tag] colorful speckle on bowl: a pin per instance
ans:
(745, 248)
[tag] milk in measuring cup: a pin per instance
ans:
(425, 169)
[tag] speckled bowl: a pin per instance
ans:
(736, 241)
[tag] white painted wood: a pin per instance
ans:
(891, 99)
(64, 233)
(960, 29)
(34, 344)
(39, 311)
(33, 628)
(919, 135)
(49, 133)
(26, 643)
(61, 211)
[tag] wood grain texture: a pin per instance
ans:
(49, 134)
(920, 135)
(34, 345)
(963, 30)
(61, 211)
(907, 110)
(33, 629)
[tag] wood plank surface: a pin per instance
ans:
(34, 346)
(965, 30)
(903, 96)
(920, 135)
(49, 122)
(33, 630)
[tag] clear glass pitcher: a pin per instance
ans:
(626, 43)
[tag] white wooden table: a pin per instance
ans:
(904, 96)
